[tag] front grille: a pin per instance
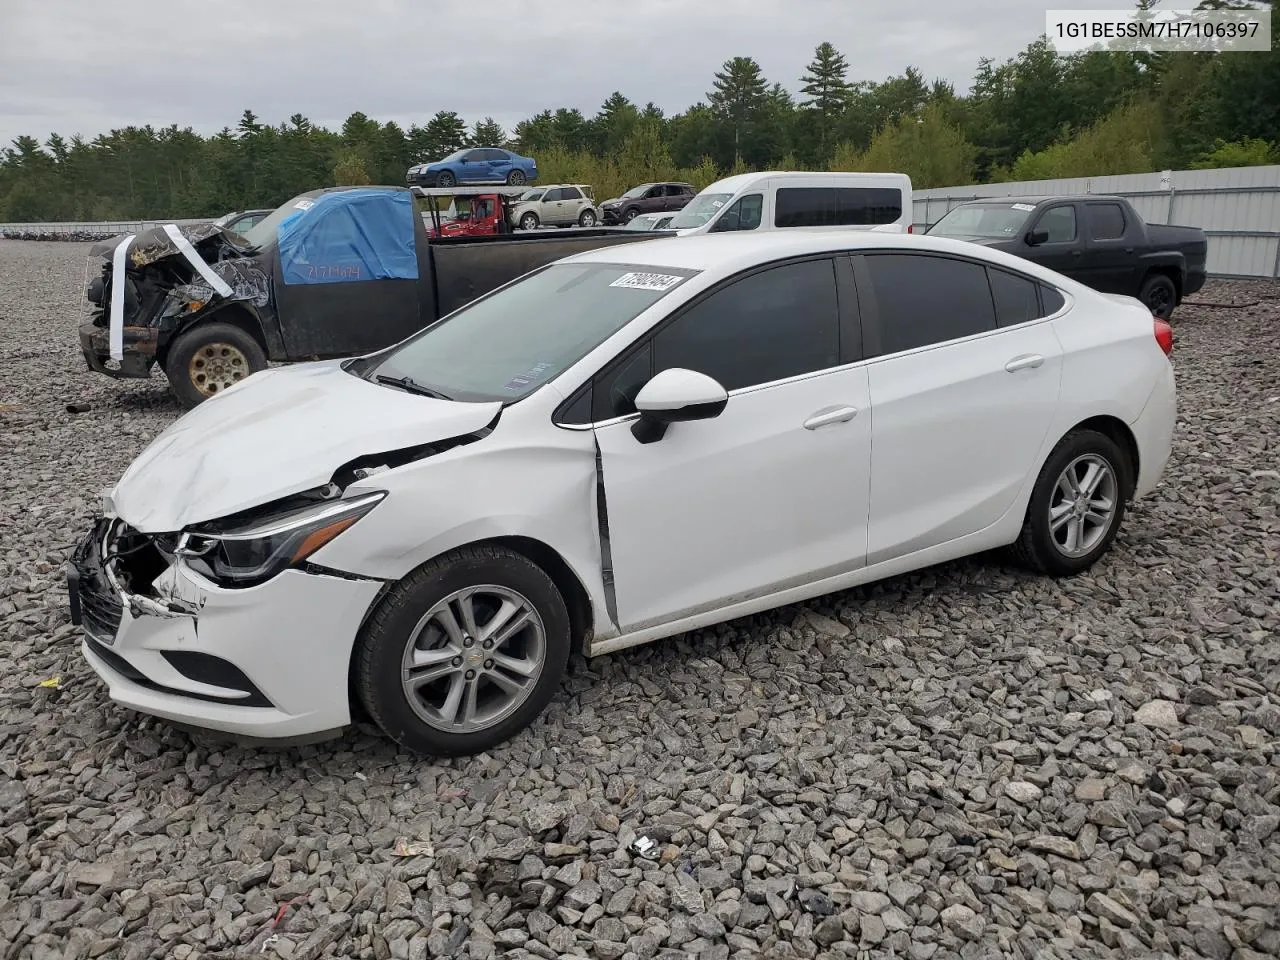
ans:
(100, 605)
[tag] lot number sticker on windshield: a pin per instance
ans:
(1023, 206)
(660, 282)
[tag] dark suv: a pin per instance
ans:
(646, 198)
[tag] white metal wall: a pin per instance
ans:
(1238, 208)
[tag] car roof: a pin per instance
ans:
(726, 253)
(1040, 198)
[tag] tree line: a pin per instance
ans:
(1034, 116)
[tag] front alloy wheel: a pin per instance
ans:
(464, 653)
(473, 658)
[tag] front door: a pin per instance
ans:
(345, 275)
(962, 394)
(770, 494)
(1064, 250)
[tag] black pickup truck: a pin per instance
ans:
(1098, 240)
(333, 272)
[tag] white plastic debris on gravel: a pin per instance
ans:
(966, 762)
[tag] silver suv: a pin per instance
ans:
(555, 205)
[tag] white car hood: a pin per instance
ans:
(279, 432)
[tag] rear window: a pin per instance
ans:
(836, 206)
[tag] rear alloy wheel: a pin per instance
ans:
(465, 653)
(1159, 294)
(516, 178)
(529, 221)
(587, 218)
(1077, 505)
(210, 358)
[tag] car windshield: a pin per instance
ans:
(642, 222)
(530, 195)
(988, 220)
(506, 345)
(264, 231)
(223, 220)
(636, 192)
(456, 155)
(698, 211)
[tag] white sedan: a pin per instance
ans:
(625, 445)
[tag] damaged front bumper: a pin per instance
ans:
(268, 662)
(140, 347)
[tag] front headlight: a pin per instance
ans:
(252, 555)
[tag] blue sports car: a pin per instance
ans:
(474, 165)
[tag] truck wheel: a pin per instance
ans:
(587, 218)
(208, 359)
(529, 221)
(516, 178)
(445, 179)
(1159, 294)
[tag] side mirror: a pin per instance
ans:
(1036, 237)
(676, 395)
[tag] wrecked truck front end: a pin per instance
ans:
(170, 278)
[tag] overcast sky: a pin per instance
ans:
(87, 66)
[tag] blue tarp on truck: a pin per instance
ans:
(349, 236)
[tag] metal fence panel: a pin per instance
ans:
(1238, 207)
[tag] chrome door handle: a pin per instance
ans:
(830, 415)
(1025, 362)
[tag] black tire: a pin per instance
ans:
(529, 221)
(587, 218)
(180, 365)
(1159, 294)
(381, 647)
(1036, 547)
(446, 179)
(630, 215)
(516, 177)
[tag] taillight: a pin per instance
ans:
(1164, 336)
(911, 228)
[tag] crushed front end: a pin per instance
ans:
(257, 661)
(163, 292)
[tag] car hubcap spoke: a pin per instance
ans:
(473, 659)
(1083, 505)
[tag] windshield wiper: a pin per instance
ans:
(411, 385)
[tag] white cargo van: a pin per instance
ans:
(794, 200)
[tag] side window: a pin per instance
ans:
(553, 194)
(803, 207)
(614, 392)
(867, 206)
(1015, 297)
(653, 192)
(496, 155)
(1106, 221)
(570, 193)
(1051, 300)
(1060, 222)
(474, 155)
(925, 300)
(673, 190)
(778, 323)
(743, 215)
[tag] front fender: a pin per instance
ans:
(542, 488)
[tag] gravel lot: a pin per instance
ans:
(965, 762)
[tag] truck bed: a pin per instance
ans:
(468, 267)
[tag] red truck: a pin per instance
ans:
(481, 211)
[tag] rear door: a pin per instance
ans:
(499, 164)
(964, 385)
(1110, 260)
(772, 492)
